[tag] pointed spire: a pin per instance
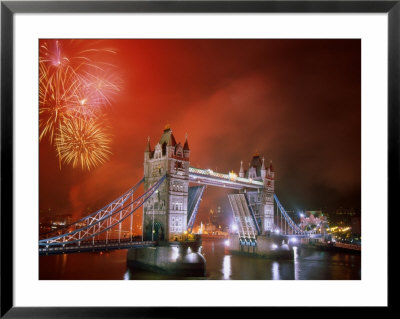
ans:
(148, 147)
(172, 141)
(241, 172)
(263, 170)
(270, 166)
(186, 145)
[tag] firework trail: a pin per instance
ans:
(83, 143)
(101, 88)
(74, 90)
(56, 97)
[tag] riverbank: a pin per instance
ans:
(335, 247)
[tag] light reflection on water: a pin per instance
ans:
(226, 267)
(127, 275)
(275, 271)
(175, 253)
(307, 265)
(296, 263)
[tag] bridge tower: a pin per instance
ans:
(268, 199)
(261, 201)
(165, 213)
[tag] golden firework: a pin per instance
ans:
(75, 86)
(83, 142)
(57, 95)
(72, 85)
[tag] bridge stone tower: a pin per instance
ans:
(261, 201)
(165, 213)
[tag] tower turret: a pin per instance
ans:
(186, 150)
(241, 172)
(147, 155)
(270, 177)
(263, 170)
(148, 147)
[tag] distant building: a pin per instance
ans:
(341, 216)
(356, 224)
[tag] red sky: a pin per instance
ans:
(296, 102)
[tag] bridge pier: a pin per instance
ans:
(172, 258)
(267, 246)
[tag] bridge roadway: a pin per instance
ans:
(231, 180)
(93, 246)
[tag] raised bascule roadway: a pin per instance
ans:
(170, 205)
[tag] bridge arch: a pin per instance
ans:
(157, 230)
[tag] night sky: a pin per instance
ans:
(296, 102)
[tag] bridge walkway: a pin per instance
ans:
(98, 245)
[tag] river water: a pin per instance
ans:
(308, 264)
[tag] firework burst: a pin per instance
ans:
(74, 89)
(83, 143)
(101, 87)
(57, 94)
(72, 85)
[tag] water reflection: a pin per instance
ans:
(63, 262)
(226, 267)
(174, 254)
(296, 263)
(275, 271)
(220, 264)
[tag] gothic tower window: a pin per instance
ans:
(157, 152)
(178, 166)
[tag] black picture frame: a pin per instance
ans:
(9, 8)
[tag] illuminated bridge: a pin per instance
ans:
(169, 196)
(93, 232)
(231, 180)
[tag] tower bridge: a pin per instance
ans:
(170, 201)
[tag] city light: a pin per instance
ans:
(274, 246)
(234, 227)
(232, 176)
(293, 240)
(227, 243)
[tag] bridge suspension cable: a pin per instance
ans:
(99, 214)
(289, 220)
(103, 222)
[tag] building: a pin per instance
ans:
(165, 213)
(261, 201)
